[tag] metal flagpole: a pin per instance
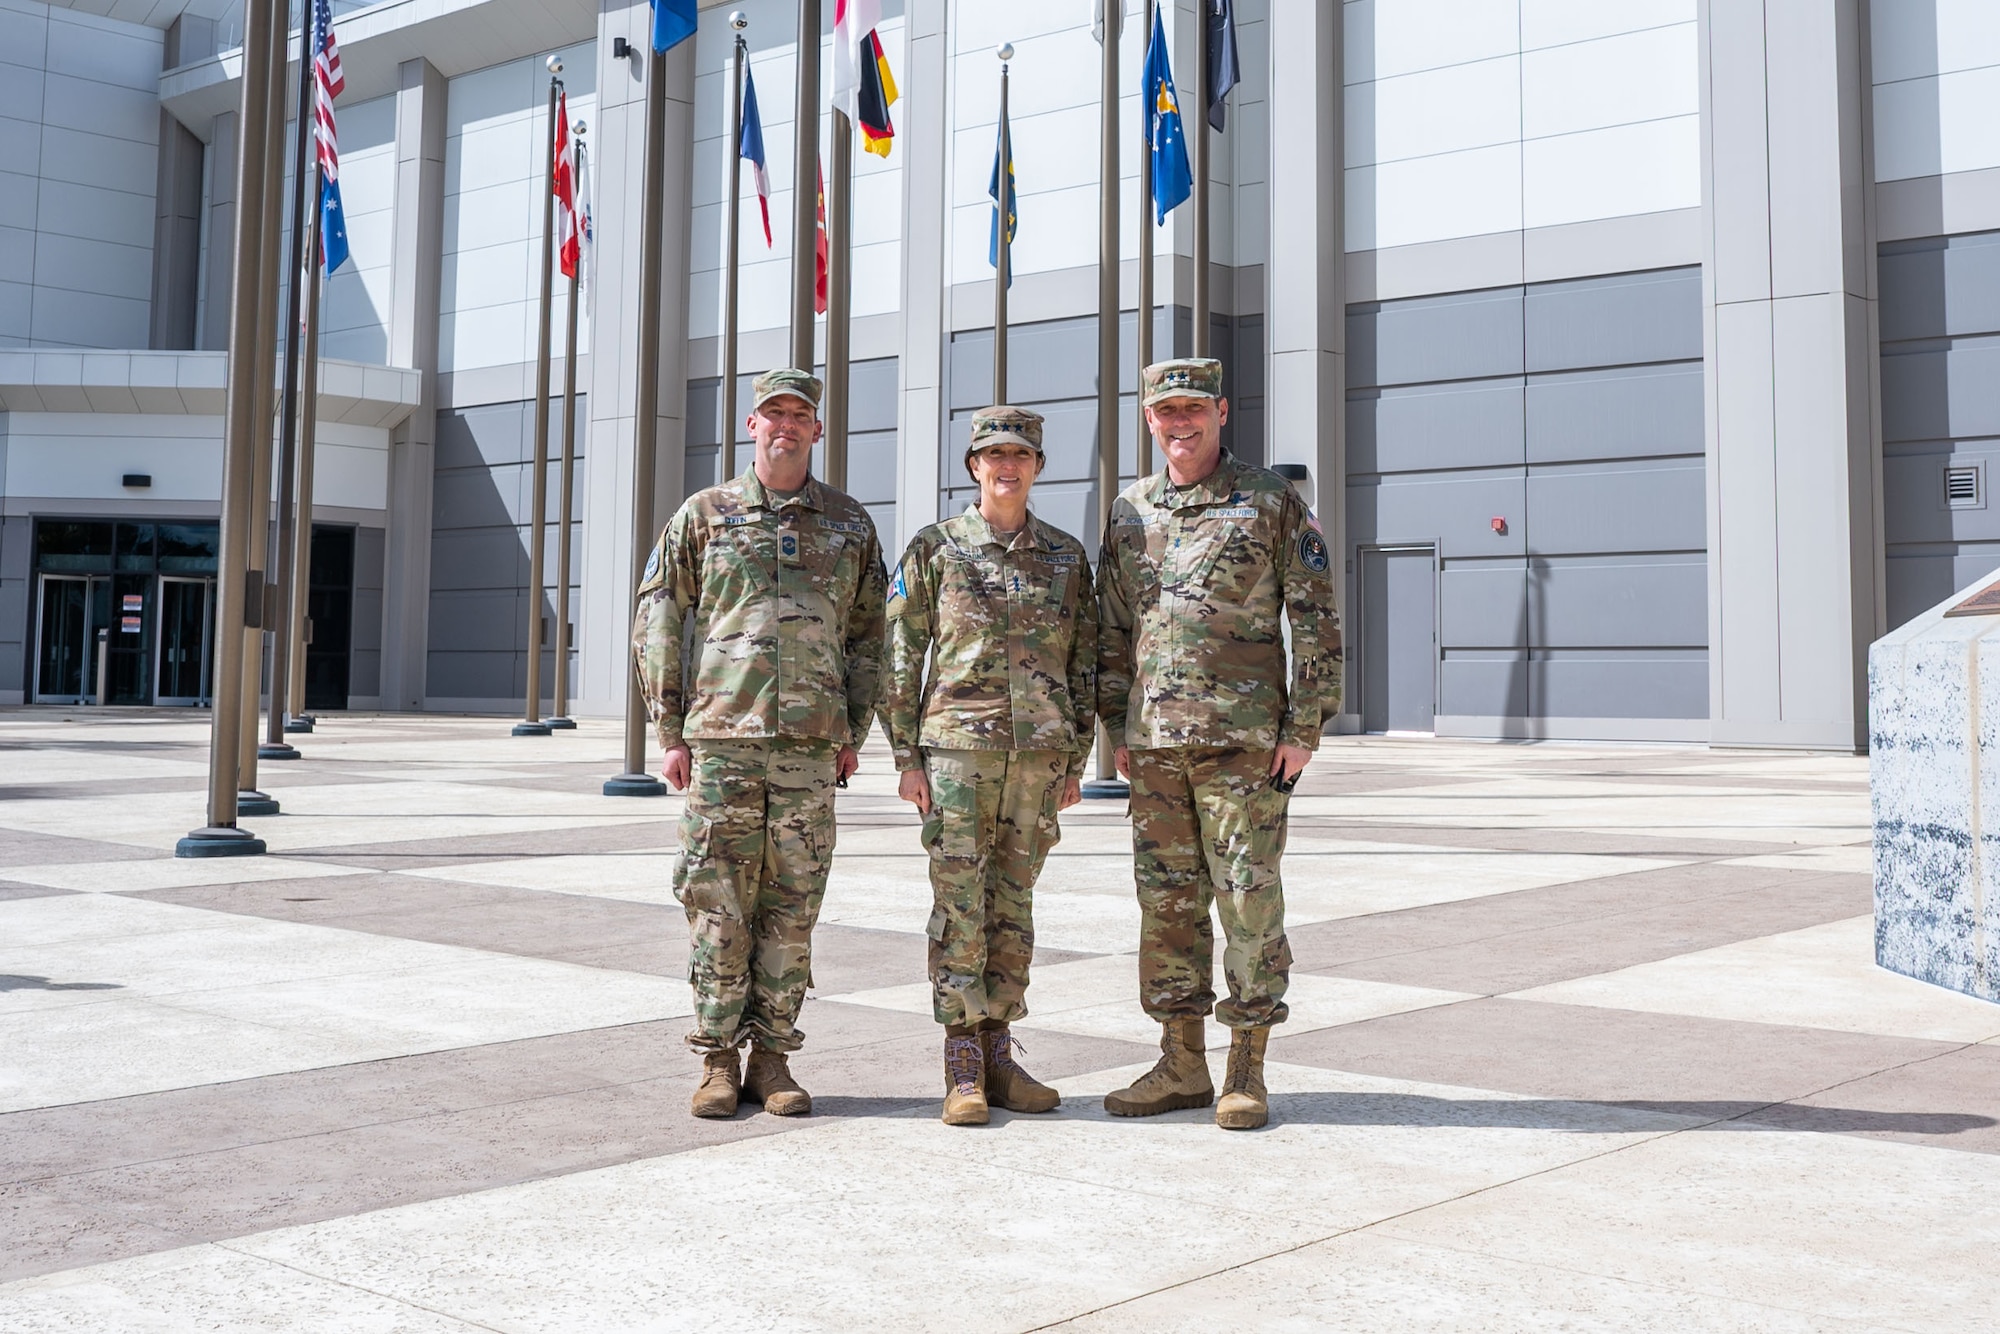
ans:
(297, 626)
(275, 746)
(559, 720)
(732, 248)
(839, 297)
(635, 781)
(1199, 165)
(1003, 259)
(538, 485)
(1107, 784)
(249, 800)
(805, 188)
(1147, 224)
(221, 837)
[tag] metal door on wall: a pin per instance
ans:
(1399, 639)
(73, 608)
(186, 640)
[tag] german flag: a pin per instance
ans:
(876, 95)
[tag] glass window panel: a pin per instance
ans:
(135, 546)
(72, 544)
(188, 548)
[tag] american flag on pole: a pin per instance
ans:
(328, 83)
(569, 235)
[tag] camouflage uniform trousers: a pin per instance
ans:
(992, 823)
(1208, 828)
(757, 838)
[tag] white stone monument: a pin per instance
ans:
(1934, 776)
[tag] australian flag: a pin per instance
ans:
(328, 83)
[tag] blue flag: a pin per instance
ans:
(1005, 201)
(328, 83)
(1172, 181)
(673, 23)
(332, 225)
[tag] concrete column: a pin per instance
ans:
(617, 155)
(176, 236)
(926, 310)
(1793, 418)
(413, 341)
(222, 148)
(1305, 299)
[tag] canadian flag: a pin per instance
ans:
(569, 229)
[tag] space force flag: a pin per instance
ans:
(1173, 182)
(673, 23)
(750, 147)
(1224, 72)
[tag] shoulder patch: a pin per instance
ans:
(652, 567)
(1312, 551)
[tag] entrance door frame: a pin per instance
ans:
(90, 630)
(1358, 655)
(160, 696)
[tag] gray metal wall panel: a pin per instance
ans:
(1620, 685)
(1615, 321)
(477, 620)
(1483, 604)
(1485, 685)
(473, 675)
(1916, 582)
(1655, 506)
(1632, 412)
(484, 558)
(1454, 510)
(1914, 508)
(1608, 602)
(1477, 425)
(1941, 285)
(1463, 336)
(1933, 394)
(484, 437)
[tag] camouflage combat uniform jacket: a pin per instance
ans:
(787, 604)
(1012, 634)
(1195, 584)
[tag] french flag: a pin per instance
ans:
(751, 146)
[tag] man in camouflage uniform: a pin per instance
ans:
(1202, 566)
(992, 745)
(783, 579)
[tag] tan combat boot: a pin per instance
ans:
(1244, 1104)
(769, 1080)
(1180, 1079)
(716, 1095)
(1007, 1084)
(964, 1080)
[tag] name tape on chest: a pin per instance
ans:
(732, 520)
(1058, 557)
(1129, 521)
(1231, 512)
(844, 526)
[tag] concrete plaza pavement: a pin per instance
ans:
(1582, 1037)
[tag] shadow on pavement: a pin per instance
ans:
(1610, 1118)
(23, 982)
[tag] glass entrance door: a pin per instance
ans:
(186, 640)
(73, 609)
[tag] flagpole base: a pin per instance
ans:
(562, 724)
(281, 751)
(634, 785)
(220, 841)
(256, 803)
(531, 729)
(1107, 789)
(299, 725)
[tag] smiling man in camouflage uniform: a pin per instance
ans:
(783, 579)
(1202, 567)
(990, 744)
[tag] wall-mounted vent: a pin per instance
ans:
(1964, 486)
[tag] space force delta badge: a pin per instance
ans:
(899, 594)
(1312, 551)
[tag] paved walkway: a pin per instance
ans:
(1581, 1038)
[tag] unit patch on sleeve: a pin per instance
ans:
(1312, 551)
(652, 567)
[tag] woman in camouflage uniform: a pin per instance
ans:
(992, 745)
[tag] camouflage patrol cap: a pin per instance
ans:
(1182, 377)
(797, 383)
(1004, 425)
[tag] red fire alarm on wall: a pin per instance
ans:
(1499, 525)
